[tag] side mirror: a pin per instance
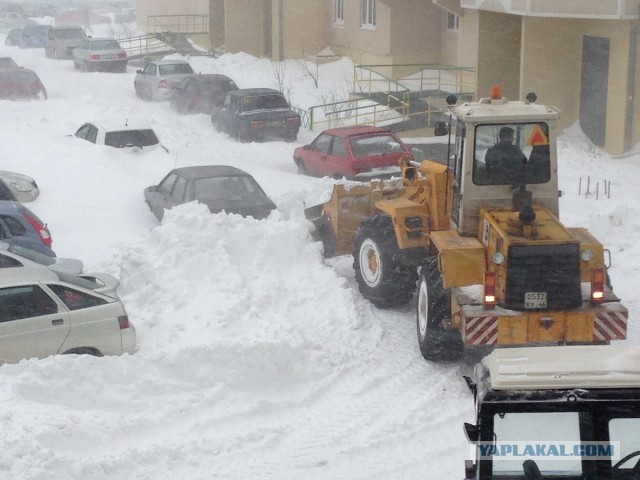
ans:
(471, 432)
(441, 129)
(138, 71)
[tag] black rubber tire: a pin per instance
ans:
(381, 278)
(434, 305)
(324, 233)
(83, 351)
(302, 170)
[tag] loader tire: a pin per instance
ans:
(434, 305)
(382, 278)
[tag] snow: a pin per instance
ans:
(257, 358)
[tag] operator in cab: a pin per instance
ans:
(505, 160)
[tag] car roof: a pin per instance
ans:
(26, 274)
(575, 366)
(120, 124)
(245, 92)
(209, 77)
(68, 27)
(205, 171)
(168, 62)
(356, 130)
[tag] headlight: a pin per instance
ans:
(498, 258)
(586, 255)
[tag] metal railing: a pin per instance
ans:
(384, 100)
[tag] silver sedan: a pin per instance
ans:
(100, 55)
(159, 78)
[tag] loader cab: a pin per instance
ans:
(499, 147)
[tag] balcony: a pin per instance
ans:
(597, 9)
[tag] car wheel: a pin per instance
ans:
(137, 88)
(55, 54)
(302, 170)
(436, 343)
(76, 65)
(382, 278)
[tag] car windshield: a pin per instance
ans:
(19, 76)
(70, 33)
(263, 102)
(129, 138)
(175, 69)
(216, 188)
(105, 45)
(31, 255)
(374, 145)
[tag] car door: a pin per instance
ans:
(147, 78)
(220, 115)
(317, 153)
(32, 323)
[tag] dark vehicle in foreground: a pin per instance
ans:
(220, 187)
(62, 40)
(199, 93)
(21, 84)
(20, 226)
(352, 152)
(569, 412)
(100, 55)
(33, 36)
(256, 114)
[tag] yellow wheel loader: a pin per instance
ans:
(480, 238)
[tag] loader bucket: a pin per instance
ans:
(337, 220)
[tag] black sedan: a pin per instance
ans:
(256, 114)
(220, 187)
(199, 93)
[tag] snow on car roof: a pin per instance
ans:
(121, 124)
(584, 366)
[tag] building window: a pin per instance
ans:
(338, 12)
(453, 22)
(368, 13)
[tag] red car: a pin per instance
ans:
(360, 152)
(21, 83)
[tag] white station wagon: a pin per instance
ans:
(45, 313)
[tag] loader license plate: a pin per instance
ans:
(535, 300)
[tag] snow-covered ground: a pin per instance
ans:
(256, 357)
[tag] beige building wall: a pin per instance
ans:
(552, 67)
(216, 23)
(147, 8)
(299, 28)
(249, 33)
(499, 44)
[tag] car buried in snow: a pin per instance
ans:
(130, 135)
(219, 187)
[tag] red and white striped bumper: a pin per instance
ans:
(492, 327)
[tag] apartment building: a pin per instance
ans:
(580, 55)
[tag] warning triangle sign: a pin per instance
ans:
(537, 137)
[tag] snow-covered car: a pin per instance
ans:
(13, 37)
(129, 135)
(99, 54)
(256, 114)
(219, 187)
(18, 256)
(62, 40)
(358, 152)
(21, 84)
(23, 187)
(158, 78)
(47, 313)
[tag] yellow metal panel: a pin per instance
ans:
(588, 242)
(512, 331)
(546, 329)
(462, 259)
(580, 328)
